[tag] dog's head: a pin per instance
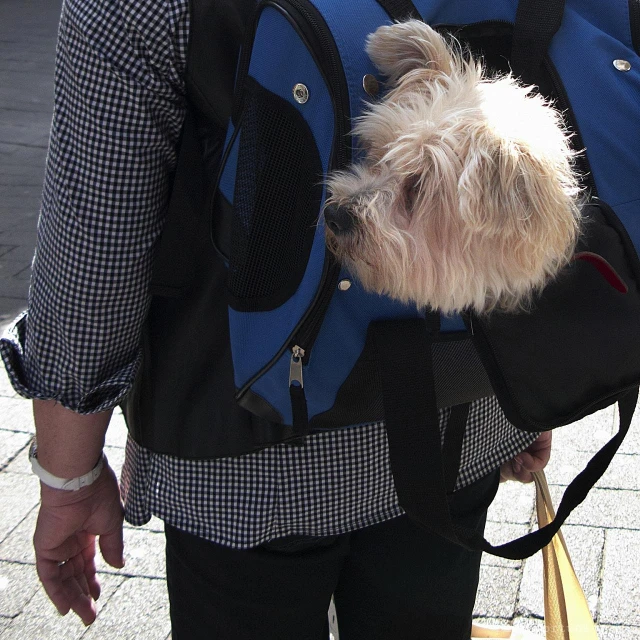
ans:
(465, 198)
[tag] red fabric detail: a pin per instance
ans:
(605, 269)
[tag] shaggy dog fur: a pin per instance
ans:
(466, 197)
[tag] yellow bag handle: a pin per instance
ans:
(566, 612)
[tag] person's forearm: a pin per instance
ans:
(69, 444)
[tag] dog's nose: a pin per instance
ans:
(339, 219)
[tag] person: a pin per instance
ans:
(259, 538)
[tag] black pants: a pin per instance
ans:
(391, 581)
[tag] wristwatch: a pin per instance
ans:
(67, 484)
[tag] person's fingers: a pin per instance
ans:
(89, 555)
(515, 470)
(112, 548)
(69, 548)
(534, 458)
(80, 602)
(67, 587)
(50, 573)
(531, 462)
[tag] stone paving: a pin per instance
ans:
(603, 534)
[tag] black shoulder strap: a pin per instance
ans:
(536, 23)
(400, 9)
(404, 352)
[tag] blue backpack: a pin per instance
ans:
(313, 350)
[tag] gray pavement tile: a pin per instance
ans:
(10, 307)
(631, 443)
(15, 415)
(621, 474)
(500, 622)
(115, 456)
(530, 624)
(499, 592)
(155, 524)
(117, 431)
(17, 97)
(514, 503)
(14, 288)
(19, 237)
(18, 546)
(588, 434)
(17, 587)
(20, 178)
(24, 274)
(5, 248)
(621, 576)
(606, 508)
(535, 625)
(6, 390)
(21, 463)
(585, 546)
(19, 204)
(30, 131)
(28, 221)
(618, 632)
(7, 149)
(11, 267)
(24, 156)
(15, 205)
(11, 444)
(19, 495)
(5, 623)
(27, 627)
(143, 554)
(19, 170)
(138, 609)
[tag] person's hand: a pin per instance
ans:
(65, 537)
(533, 458)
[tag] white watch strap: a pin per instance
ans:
(68, 484)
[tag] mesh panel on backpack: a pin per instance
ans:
(277, 201)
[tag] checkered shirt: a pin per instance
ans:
(119, 107)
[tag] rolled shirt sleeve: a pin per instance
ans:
(118, 110)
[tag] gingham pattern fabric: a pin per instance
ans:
(119, 106)
(338, 482)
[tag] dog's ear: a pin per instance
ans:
(526, 201)
(404, 46)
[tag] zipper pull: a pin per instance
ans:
(295, 369)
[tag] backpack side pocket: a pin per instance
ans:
(578, 349)
(277, 199)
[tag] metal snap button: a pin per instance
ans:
(622, 65)
(344, 285)
(300, 93)
(371, 85)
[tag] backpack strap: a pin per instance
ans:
(400, 9)
(406, 368)
(536, 23)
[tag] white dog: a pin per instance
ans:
(466, 197)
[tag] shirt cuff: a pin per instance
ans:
(102, 396)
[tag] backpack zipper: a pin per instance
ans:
(311, 27)
(325, 52)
